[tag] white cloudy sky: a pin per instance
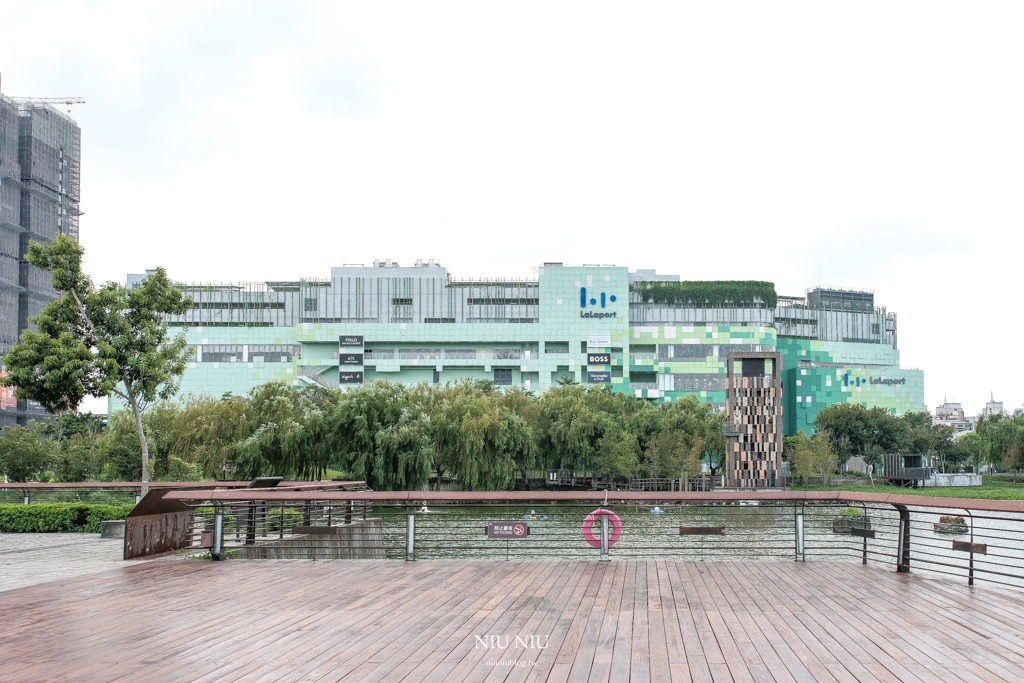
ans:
(869, 145)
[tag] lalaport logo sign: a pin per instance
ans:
(856, 381)
(601, 300)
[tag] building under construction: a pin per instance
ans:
(40, 156)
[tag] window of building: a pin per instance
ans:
(310, 304)
(437, 377)
(460, 354)
(419, 354)
(503, 377)
(506, 354)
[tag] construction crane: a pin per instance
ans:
(49, 100)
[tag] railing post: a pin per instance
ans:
(250, 527)
(903, 548)
(218, 535)
(970, 561)
(798, 524)
(410, 537)
(864, 550)
(604, 537)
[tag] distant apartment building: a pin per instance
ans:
(951, 414)
(992, 407)
(40, 156)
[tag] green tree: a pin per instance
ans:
(664, 453)
(78, 457)
(575, 427)
(25, 452)
(476, 438)
(690, 465)
(381, 433)
(814, 456)
(99, 341)
(617, 455)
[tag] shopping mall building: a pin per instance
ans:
(592, 323)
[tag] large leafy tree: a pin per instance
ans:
(381, 433)
(97, 341)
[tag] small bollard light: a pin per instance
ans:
(410, 537)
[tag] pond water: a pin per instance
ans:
(759, 531)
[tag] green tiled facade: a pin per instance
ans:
(820, 373)
(419, 325)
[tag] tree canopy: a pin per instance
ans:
(96, 341)
(399, 437)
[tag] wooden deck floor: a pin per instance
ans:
(280, 621)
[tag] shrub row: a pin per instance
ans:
(58, 517)
(712, 293)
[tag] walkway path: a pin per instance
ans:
(28, 559)
(381, 620)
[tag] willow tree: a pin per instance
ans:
(476, 438)
(380, 432)
(97, 341)
(576, 425)
(287, 434)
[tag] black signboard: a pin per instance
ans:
(599, 359)
(350, 377)
(350, 340)
(508, 530)
(599, 377)
(350, 359)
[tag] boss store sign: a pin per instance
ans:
(599, 359)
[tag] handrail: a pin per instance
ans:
(610, 496)
(284, 485)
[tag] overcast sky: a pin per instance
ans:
(870, 145)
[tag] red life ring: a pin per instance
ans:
(595, 518)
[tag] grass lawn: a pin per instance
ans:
(991, 489)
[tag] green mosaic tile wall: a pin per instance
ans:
(809, 390)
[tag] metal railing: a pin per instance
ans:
(974, 541)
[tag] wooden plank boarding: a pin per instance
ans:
(634, 620)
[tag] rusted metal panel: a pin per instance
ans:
(976, 548)
(151, 534)
(701, 531)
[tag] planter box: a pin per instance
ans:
(943, 528)
(843, 523)
(112, 528)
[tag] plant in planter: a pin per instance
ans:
(950, 524)
(849, 518)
